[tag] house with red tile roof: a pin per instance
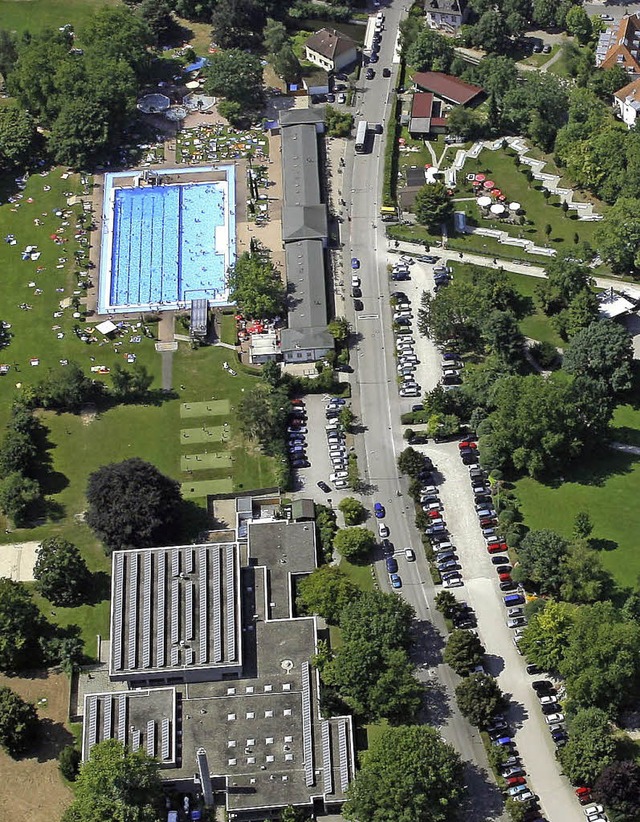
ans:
(427, 116)
(446, 87)
(627, 102)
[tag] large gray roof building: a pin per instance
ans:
(240, 725)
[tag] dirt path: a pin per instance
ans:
(31, 788)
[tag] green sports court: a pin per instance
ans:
(198, 436)
(202, 488)
(212, 408)
(205, 462)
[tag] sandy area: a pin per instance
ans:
(17, 560)
(32, 788)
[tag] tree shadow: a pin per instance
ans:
(427, 646)
(516, 713)
(53, 738)
(194, 520)
(595, 468)
(494, 664)
(485, 801)
(599, 544)
(436, 703)
(99, 589)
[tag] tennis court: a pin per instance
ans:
(213, 408)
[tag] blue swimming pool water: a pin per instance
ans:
(163, 247)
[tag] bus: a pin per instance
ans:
(361, 137)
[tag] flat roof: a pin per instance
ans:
(174, 610)
(301, 116)
(142, 719)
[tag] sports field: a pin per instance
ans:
(212, 408)
(208, 433)
(201, 488)
(204, 462)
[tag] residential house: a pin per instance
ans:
(447, 88)
(620, 46)
(446, 15)
(426, 115)
(330, 50)
(627, 102)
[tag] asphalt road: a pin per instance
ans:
(378, 406)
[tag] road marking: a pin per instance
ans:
(368, 316)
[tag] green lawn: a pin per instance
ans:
(606, 485)
(626, 425)
(35, 15)
(540, 59)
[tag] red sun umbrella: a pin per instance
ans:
(53, 236)
(480, 178)
(496, 192)
(489, 184)
(427, 165)
(502, 198)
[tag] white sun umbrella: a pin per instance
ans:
(514, 206)
(497, 209)
(484, 202)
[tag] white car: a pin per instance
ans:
(341, 98)
(552, 719)
(548, 700)
(407, 260)
(383, 530)
(453, 582)
(355, 281)
(410, 554)
(341, 484)
(593, 810)
(409, 392)
(338, 476)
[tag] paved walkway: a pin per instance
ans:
(628, 449)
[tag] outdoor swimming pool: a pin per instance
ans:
(165, 245)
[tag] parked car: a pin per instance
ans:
(395, 580)
(370, 72)
(324, 487)
(409, 554)
(383, 530)
(392, 565)
(551, 719)
(525, 796)
(386, 72)
(542, 686)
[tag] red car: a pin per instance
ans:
(584, 795)
(494, 547)
(434, 514)
(467, 444)
(297, 402)
(502, 546)
(516, 780)
(488, 522)
(505, 577)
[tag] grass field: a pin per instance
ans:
(35, 15)
(213, 408)
(626, 425)
(606, 485)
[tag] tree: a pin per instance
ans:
(384, 619)
(600, 661)
(463, 652)
(546, 638)
(340, 329)
(262, 414)
(120, 34)
(132, 505)
(61, 572)
(502, 333)
(160, 21)
(433, 205)
(541, 558)
(490, 32)
(590, 748)
(585, 578)
(579, 24)
(618, 236)
(286, 65)
(8, 52)
(408, 773)
(354, 544)
(131, 385)
(431, 51)
(255, 284)
(17, 136)
(238, 77)
(352, 510)
(411, 462)
(237, 24)
(326, 591)
(480, 699)
(274, 36)
(465, 122)
(114, 777)
(618, 787)
(65, 389)
(602, 353)
(17, 494)
(18, 723)
(22, 624)
(339, 123)
(18, 453)
(446, 603)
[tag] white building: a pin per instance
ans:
(446, 15)
(331, 50)
(627, 102)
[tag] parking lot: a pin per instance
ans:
(480, 590)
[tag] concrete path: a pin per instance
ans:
(628, 449)
(166, 358)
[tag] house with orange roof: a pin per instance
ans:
(621, 46)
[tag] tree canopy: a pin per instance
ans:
(618, 236)
(18, 723)
(433, 205)
(618, 787)
(354, 544)
(408, 773)
(480, 699)
(61, 573)
(431, 51)
(256, 286)
(132, 505)
(237, 24)
(326, 591)
(17, 136)
(602, 353)
(22, 625)
(237, 76)
(463, 652)
(116, 785)
(590, 748)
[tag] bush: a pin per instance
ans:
(545, 354)
(69, 762)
